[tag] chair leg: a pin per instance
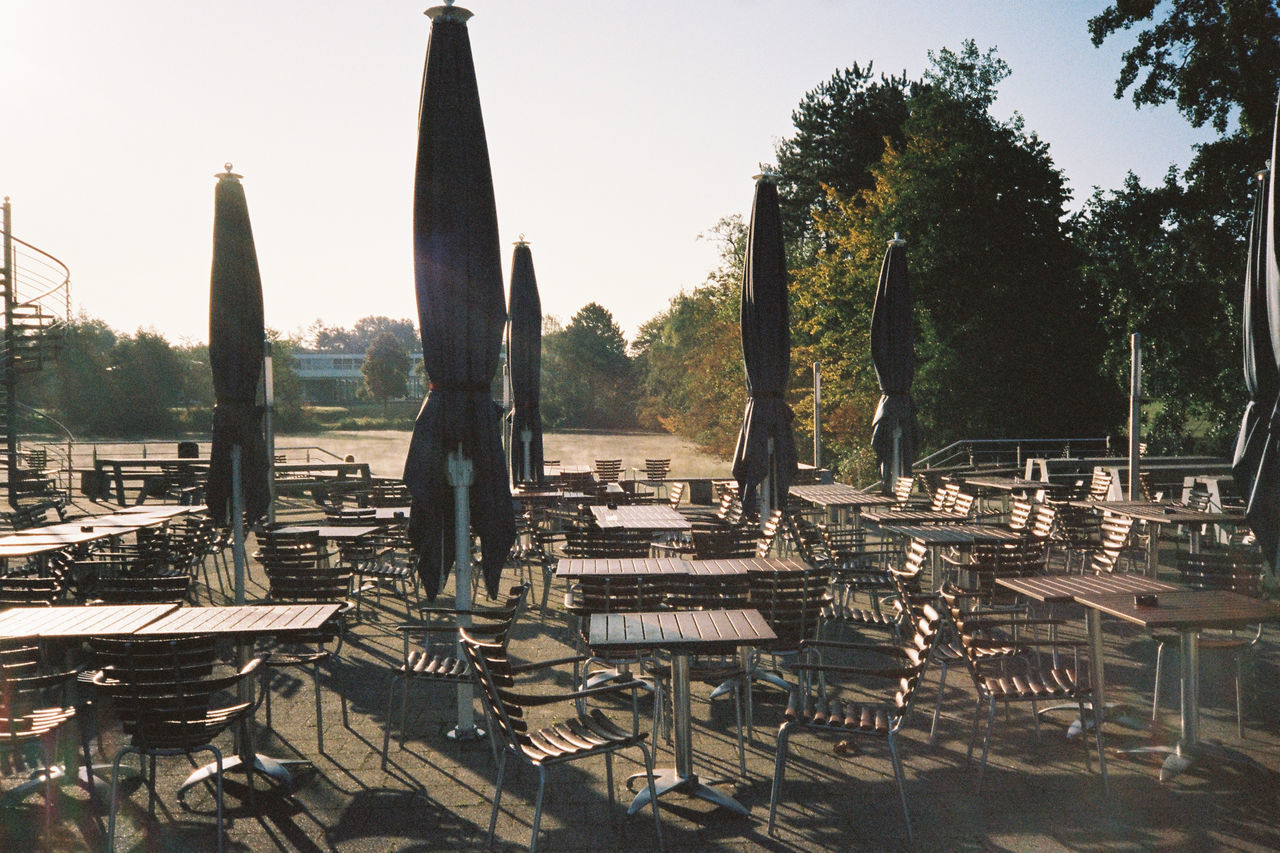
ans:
(497, 797)
(115, 783)
(653, 793)
(1239, 701)
(537, 807)
(315, 688)
(1155, 693)
(973, 735)
(779, 767)
(742, 749)
(986, 743)
(902, 786)
(937, 705)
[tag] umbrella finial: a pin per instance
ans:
(228, 174)
(521, 241)
(768, 174)
(897, 241)
(448, 12)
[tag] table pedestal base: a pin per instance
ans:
(669, 780)
(275, 770)
(1182, 757)
(459, 735)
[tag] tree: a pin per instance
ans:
(586, 376)
(358, 338)
(842, 127)
(1004, 348)
(386, 368)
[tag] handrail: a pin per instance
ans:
(996, 451)
(63, 456)
(63, 278)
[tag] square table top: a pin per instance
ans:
(1013, 484)
(914, 516)
(680, 630)
(1183, 610)
(840, 495)
(1155, 512)
(730, 567)
(576, 567)
(80, 620)
(28, 548)
(242, 619)
(952, 534)
(640, 517)
(332, 531)
(1064, 588)
(63, 536)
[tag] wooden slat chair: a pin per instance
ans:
(1041, 681)
(739, 541)
(830, 713)
(136, 574)
(299, 571)
(1106, 556)
(31, 587)
(585, 540)
(1021, 513)
(791, 602)
(989, 563)
(508, 706)
(439, 664)
(903, 489)
(1100, 484)
(1075, 532)
(1236, 568)
(608, 470)
(675, 494)
(32, 713)
(370, 557)
(172, 698)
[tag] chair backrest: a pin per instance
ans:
(298, 569)
(902, 489)
(1099, 484)
(845, 544)
(1237, 568)
(618, 593)
(944, 499)
(1146, 486)
(506, 708)
(657, 469)
(769, 533)
(963, 504)
(29, 686)
(1115, 534)
(808, 541)
(31, 588)
(163, 688)
(584, 540)
(1042, 521)
(675, 494)
(917, 651)
(1020, 513)
(790, 601)
(608, 470)
(725, 543)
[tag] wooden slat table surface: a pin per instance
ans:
(952, 534)
(576, 567)
(1183, 609)
(80, 620)
(332, 531)
(679, 630)
(1063, 588)
(640, 517)
(914, 516)
(1013, 484)
(840, 495)
(243, 619)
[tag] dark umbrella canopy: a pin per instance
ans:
(235, 355)
(461, 313)
(524, 354)
(766, 355)
(894, 358)
(1261, 377)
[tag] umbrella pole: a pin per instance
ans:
(817, 415)
(1135, 414)
(895, 469)
(268, 408)
(526, 440)
(237, 521)
(461, 476)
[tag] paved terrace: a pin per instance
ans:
(436, 795)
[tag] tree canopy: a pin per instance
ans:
(386, 368)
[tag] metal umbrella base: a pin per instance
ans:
(275, 770)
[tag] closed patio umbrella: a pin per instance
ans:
(766, 449)
(1261, 376)
(462, 314)
(239, 487)
(895, 432)
(524, 355)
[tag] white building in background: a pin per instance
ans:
(335, 377)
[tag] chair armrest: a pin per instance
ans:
(880, 648)
(544, 664)
(854, 670)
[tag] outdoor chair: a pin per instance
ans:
(979, 633)
(1114, 545)
(32, 713)
(31, 587)
(173, 697)
(299, 571)
(1100, 484)
(1236, 568)
(439, 664)
(608, 470)
(1074, 533)
(830, 713)
(582, 735)
(791, 603)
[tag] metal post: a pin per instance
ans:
(237, 520)
(817, 415)
(269, 405)
(526, 469)
(1135, 413)
(10, 356)
(461, 473)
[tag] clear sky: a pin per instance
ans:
(618, 133)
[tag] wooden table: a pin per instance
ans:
(577, 567)
(1159, 514)
(656, 517)
(331, 531)
(244, 623)
(1062, 589)
(914, 516)
(1188, 612)
(962, 536)
(74, 621)
(118, 470)
(839, 498)
(682, 633)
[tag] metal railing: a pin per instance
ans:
(1011, 452)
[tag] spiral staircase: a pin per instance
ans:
(37, 309)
